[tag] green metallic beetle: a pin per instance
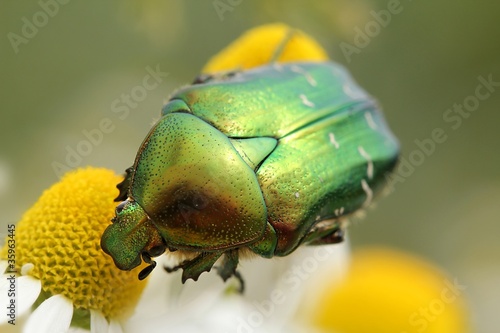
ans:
(261, 160)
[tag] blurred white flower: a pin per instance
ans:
(274, 290)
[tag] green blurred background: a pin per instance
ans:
(64, 79)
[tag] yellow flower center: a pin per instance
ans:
(60, 235)
(259, 45)
(390, 291)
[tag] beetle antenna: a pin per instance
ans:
(146, 271)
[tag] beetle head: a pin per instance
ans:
(132, 236)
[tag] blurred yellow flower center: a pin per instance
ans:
(259, 45)
(390, 291)
(60, 235)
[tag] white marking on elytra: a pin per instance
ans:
(305, 101)
(320, 179)
(300, 70)
(370, 121)
(297, 194)
(353, 92)
(339, 211)
(333, 141)
(368, 192)
(369, 168)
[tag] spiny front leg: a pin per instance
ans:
(124, 185)
(192, 268)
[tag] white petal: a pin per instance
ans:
(52, 316)
(98, 324)
(29, 290)
(333, 263)
(3, 266)
(155, 297)
(24, 294)
(4, 290)
(115, 327)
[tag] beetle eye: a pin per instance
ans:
(120, 207)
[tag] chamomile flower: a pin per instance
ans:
(386, 290)
(259, 46)
(60, 270)
(274, 287)
(70, 282)
(274, 292)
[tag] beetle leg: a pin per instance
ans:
(334, 237)
(228, 268)
(327, 233)
(124, 185)
(192, 269)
